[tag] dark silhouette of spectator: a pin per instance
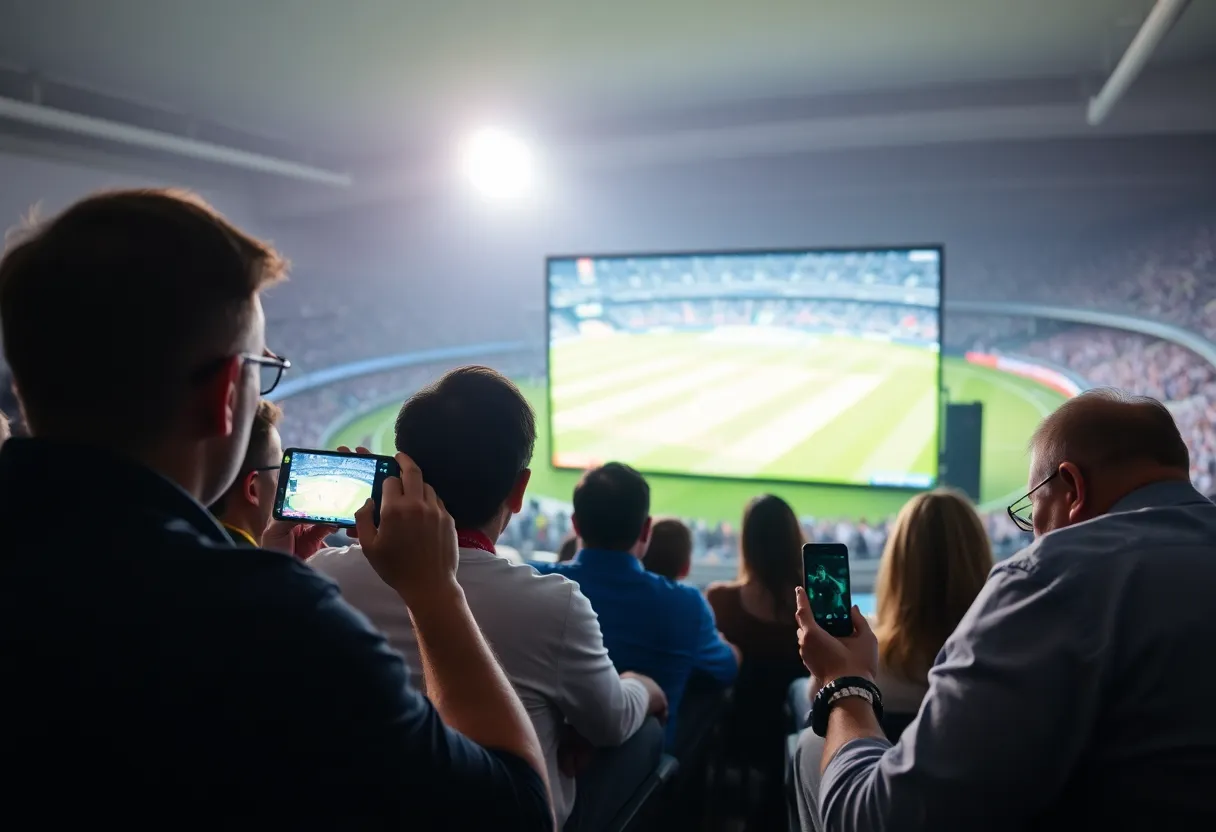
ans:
(670, 551)
(651, 625)
(167, 667)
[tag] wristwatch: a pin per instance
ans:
(837, 690)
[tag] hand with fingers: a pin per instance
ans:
(300, 539)
(828, 657)
(414, 549)
(657, 704)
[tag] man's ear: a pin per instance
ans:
(644, 537)
(249, 487)
(216, 409)
(574, 525)
(515, 500)
(1075, 489)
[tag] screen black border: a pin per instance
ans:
(280, 493)
(808, 550)
(940, 248)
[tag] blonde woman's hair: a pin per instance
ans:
(936, 560)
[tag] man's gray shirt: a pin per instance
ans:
(1080, 687)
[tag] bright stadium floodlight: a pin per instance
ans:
(498, 164)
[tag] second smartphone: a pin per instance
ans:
(330, 486)
(825, 569)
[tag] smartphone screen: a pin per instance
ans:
(329, 486)
(826, 570)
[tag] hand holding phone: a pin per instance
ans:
(830, 657)
(413, 547)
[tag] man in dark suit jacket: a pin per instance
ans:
(162, 674)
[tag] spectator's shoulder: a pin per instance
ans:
(719, 590)
(1074, 551)
(267, 577)
(542, 567)
(336, 559)
(687, 595)
(532, 584)
(502, 591)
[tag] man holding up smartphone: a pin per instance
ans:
(164, 670)
(1075, 693)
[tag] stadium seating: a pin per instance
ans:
(638, 766)
(645, 807)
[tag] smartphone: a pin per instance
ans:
(825, 567)
(330, 486)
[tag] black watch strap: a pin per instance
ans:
(833, 692)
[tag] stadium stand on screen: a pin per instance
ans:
(818, 366)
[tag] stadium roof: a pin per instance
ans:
(352, 86)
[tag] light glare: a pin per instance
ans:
(498, 164)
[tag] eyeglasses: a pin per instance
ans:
(263, 469)
(1019, 511)
(271, 367)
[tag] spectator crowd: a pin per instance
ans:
(1103, 357)
(862, 319)
(172, 653)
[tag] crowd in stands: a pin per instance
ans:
(544, 525)
(1168, 275)
(1151, 367)
(1100, 356)
(320, 323)
(863, 268)
(889, 320)
(171, 652)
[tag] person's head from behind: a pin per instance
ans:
(248, 502)
(935, 562)
(1094, 450)
(770, 550)
(670, 551)
(472, 434)
(132, 322)
(612, 509)
(568, 549)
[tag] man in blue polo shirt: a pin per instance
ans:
(651, 625)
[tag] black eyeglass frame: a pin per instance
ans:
(1026, 524)
(268, 360)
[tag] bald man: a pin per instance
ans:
(1079, 691)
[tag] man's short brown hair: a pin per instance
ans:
(265, 419)
(110, 309)
(1106, 426)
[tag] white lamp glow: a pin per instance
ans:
(498, 164)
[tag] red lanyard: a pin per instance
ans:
(473, 539)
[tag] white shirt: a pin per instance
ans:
(546, 637)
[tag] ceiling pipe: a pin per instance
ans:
(126, 134)
(1161, 18)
